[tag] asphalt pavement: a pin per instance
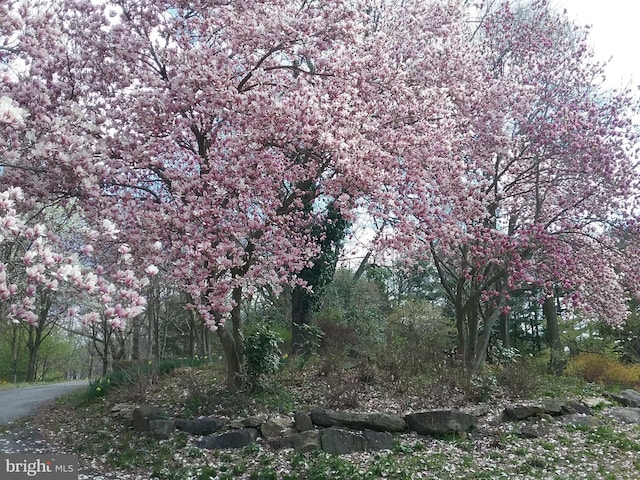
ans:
(20, 402)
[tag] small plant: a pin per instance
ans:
(501, 355)
(312, 340)
(483, 385)
(99, 388)
(262, 355)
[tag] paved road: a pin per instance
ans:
(20, 402)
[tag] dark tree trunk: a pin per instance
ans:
(135, 340)
(504, 330)
(15, 350)
(231, 339)
(192, 335)
(472, 333)
(37, 335)
(32, 341)
(556, 362)
(301, 310)
(483, 340)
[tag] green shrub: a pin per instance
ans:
(262, 354)
(417, 337)
(361, 307)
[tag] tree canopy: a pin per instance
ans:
(214, 135)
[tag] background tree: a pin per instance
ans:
(304, 298)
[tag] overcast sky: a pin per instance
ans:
(615, 34)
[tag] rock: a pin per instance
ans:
(555, 408)
(625, 414)
(250, 422)
(161, 428)
(440, 422)
(627, 398)
(381, 422)
(306, 441)
(303, 421)
(593, 402)
(201, 426)
(143, 414)
(341, 442)
(478, 410)
(378, 440)
(573, 407)
(522, 412)
(534, 429)
(301, 442)
(277, 427)
(231, 439)
(580, 420)
(123, 412)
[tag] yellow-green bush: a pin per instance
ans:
(599, 368)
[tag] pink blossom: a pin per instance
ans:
(151, 270)
(87, 249)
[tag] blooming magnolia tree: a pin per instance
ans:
(36, 278)
(216, 135)
(554, 175)
(230, 125)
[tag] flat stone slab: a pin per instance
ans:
(580, 420)
(342, 442)
(201, 426)
(231, 439)
(441, 422)
(534, 429)
(381, 422)
(626, 414)
(627, 398)
(522, 412)
(306, 441)
(254, 421)
(162, 428)
(378, 440)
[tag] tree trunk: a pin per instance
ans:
(135, 339)
(33, 343)
(301, 305)
(153, 320)
(231, 340)
(193, 325)
(37, 335)
(105, 365)
(460, 320)
(556, 362)
(15, 350)
(473, 326)
(483, 340)
(504, 330)
(235, 374)
(90, 372)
